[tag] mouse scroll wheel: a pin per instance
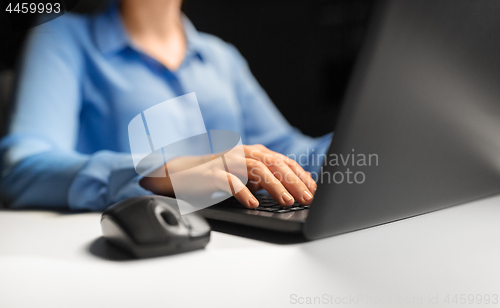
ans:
(169, 218)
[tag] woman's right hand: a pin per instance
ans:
(283, 178)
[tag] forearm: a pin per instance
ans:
(40, 180)
(80, 182)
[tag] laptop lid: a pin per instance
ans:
(419, 129)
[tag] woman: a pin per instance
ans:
(83, 78)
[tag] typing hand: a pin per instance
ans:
(282, 177)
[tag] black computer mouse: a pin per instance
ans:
(151, 226)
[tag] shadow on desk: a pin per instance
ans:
(258, 234)
(55, 210)
(102, 249)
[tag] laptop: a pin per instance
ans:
(424, 102)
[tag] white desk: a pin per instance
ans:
(45, 262)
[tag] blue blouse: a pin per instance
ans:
(81, 82)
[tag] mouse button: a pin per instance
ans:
(136, 222)
(186, 222)
(164, 214)
(169, 218)
(198, 225)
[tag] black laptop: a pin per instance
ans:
(425, 99)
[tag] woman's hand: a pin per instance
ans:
(282, 177)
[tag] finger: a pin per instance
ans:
(253, 186)
(302, 174)
(296, 168)
(242, 193)
(289, 178)
(260, 152)
(260, 173)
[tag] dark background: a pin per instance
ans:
(301, 51)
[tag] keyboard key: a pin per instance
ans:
(264, 197)
(267, 209)
(267, 204)
(283, 211)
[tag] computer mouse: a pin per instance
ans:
(151, 226)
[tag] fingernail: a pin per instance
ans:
(313, 190)
(307, 195)
(287, 198)
(253, 202)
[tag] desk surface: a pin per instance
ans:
(46, 261)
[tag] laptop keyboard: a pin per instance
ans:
(268, 204)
